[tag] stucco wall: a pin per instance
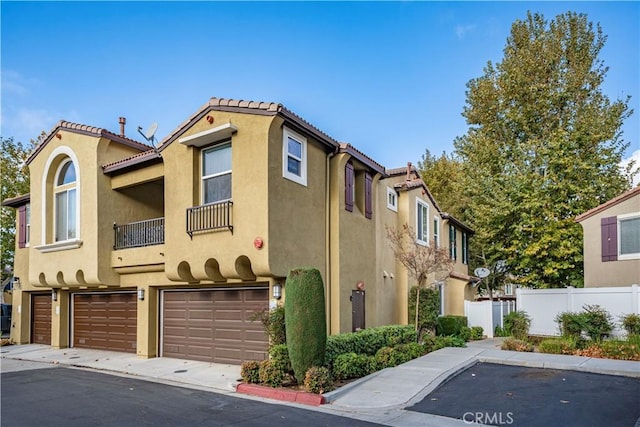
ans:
(612, 273)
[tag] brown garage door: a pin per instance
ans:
(41, 319)
(214, 325)
(105, 321)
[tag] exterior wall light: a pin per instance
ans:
(277, 290)
(16, 283)
(141, 294)
(54, 295)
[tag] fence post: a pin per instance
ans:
(635, 299)
(570, 298)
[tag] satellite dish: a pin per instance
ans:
(481, 272)
(151, 132)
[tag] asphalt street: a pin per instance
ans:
(512, 395)
(61, 396)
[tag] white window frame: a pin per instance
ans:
(65, 188)
(620, 218)
(286, 134)
(205, 177)
(436, 230)
(392, 193)
(419, 205)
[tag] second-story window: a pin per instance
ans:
(465, 248)
(216, 174)
(453, 244)
(392, 199)
(436, 231)
(294, 157)
(65, 202)
(422, 222)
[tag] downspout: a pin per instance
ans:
(327, 237)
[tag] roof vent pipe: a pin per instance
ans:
(122, 121)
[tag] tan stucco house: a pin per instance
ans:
(168, 251)
(612, 242)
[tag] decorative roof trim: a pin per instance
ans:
(606, 205)
(137, 161)
(250, 107)
(16, 202)
(461, 276)
(362, 158)
(86, 130)
(457, 222)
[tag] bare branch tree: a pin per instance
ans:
(423, 262)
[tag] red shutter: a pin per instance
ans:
(368, 202)
(348, 187)
(22, 226)
(609, 230)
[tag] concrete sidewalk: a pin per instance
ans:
(380, 397)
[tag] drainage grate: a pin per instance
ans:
(74, 357)
(180, 371)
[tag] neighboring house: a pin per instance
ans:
(612, 242)
(168, 251)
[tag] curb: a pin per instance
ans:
(303, 397)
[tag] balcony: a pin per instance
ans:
(214, 216)
(138, 234)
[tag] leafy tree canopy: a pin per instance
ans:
(14, 181)
(543, 146)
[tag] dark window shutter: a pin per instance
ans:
(368, 202)
(609, 230)
(22, 226)
(348, 187)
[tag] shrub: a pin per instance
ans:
(429, 309)
(477, 332)
(621, 350)
(516, 324)
(631, 323)
(465, 333)
(558, 346)
(279, 356)
(499, 332)
(598, 322)
(250, 371)
(352, 365)
(571, 324)
(270, 374)
(388, 357)
(436, 343)
(273, 322)
(450, 325)
(514, 344)
(305, 320)
(368, 341)
(318, 380)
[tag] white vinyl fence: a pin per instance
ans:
(487, 314)
(542, 305)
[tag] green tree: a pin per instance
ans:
(543, 146)
(14, 181)
(442, 176)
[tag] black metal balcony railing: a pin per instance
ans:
(213, 216)
(138, 234)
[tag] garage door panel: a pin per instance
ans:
(214, 325)
(41, 319)
(105, 321)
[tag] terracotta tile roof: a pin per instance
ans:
(401, 171)
(250, 107)
(363, 158)
(457, 222)
(14, 202)
(140, 159)
(86, 130)
(461, 276)
(606, 205)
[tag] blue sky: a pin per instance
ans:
(390, 77)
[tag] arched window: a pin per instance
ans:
(65, 201)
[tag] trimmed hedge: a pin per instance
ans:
(305, 320)
(352, 365)
(388, 357)
(368, 341)
(450, 325)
